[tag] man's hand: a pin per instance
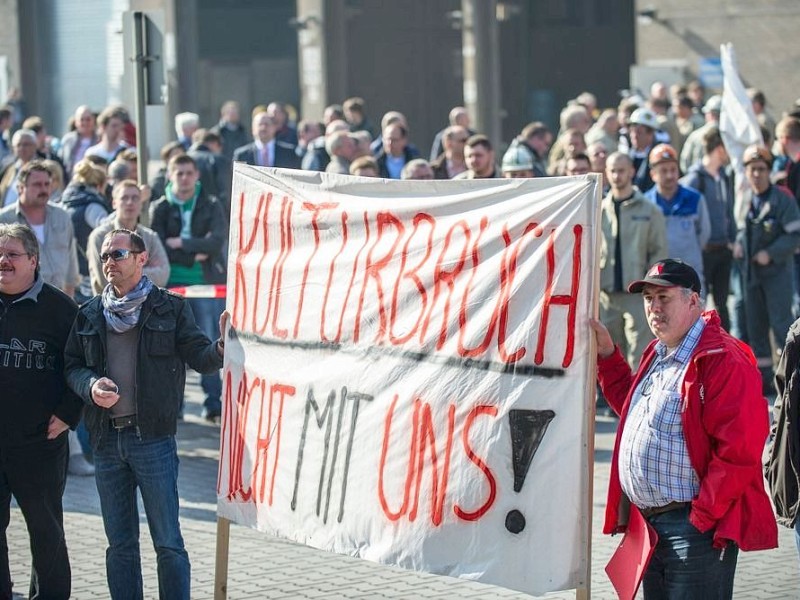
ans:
(761, 258)
(104, 392)
(605, 345)
(174, 242)
(201, 257)
(223, 326)
(738, 251)
(55, 427)
(145, 193)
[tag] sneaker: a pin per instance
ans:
(78, 465)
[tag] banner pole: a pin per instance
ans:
(221, 563)
(585, 592)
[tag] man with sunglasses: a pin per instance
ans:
(126, 358)
(38, 407)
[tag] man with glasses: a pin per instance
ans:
(38, 407)
(396, 151)
(125, 358)
(688, 450)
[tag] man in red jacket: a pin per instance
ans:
(692, 429)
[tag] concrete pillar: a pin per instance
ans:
(481, 53)
(312, 52)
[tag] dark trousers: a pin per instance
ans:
(685, 564)
(717, 271)
(35, 474)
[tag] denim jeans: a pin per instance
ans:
(35, 474)
(122, 463)
(685, 564)
(206, 313)
(717, 271)
(738, 317)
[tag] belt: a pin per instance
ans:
(657, 510)
(123, 422)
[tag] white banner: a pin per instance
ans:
(407, 373)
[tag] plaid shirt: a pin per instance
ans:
(654, 465)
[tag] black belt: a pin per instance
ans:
(123, 422)
(650, 512)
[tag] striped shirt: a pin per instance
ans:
(654, 463)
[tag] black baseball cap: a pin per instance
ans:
(670, 272)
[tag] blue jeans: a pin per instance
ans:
(738, 318)
(122, 463)
(685, 564)
(206, 313)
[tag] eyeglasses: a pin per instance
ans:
(12, 256)
(117, 255)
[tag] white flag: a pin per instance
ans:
(737, 124)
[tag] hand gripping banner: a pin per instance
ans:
(408, 371)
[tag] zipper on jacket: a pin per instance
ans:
(136, 373)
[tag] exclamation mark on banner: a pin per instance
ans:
(527, 431)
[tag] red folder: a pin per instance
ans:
(629, 562)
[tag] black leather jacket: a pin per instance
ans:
(168, 339)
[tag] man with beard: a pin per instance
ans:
(58, 257)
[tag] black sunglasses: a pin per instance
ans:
(117, 255)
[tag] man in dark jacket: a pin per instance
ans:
(214, 168)
(764, 249)
(192, 226)
(230, 129)
(35, 319)
(267, 150)
(125, 358)
(784, 453)
(709, 177)
(396, 151)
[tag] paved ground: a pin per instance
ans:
(261, 567)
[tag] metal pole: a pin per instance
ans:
(140, 102)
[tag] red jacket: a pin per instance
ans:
(725, 424)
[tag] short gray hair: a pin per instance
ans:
(19, 134)
(23, 233)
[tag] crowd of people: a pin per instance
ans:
(77, 227)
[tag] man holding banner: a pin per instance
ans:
(688, 449)
(125, 357)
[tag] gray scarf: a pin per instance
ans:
(122, 314)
